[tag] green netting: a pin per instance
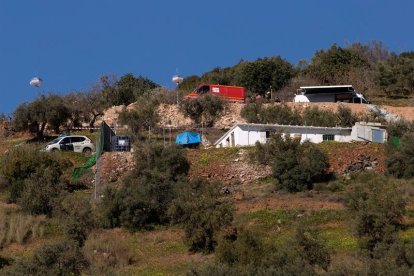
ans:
(91, 161)
(395, 141)
(77, 171)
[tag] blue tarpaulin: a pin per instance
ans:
(188, 138)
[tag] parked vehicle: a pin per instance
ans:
(331, 93)
(227, 92)
(74, 143)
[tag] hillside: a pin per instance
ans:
(171, 116)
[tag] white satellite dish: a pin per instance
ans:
(36, 82)
(177, 79)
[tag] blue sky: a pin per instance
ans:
(71, 43)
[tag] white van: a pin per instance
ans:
(331, 93)
(71, 143)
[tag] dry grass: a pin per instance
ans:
(19, 228)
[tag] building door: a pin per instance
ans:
(232, 139)
(378, 135)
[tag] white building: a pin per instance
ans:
(249, 134)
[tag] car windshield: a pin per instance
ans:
(54, 141)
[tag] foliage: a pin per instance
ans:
(246, 254)
(142, 116)
(295, 166)
(282, 114)
(147, 192)
(75, 212)
(313, 116)
(128, 89)
(86, 106)
(204, 109)
(329, 66)
(399, 128)
(20, 164)
(378, 208)
(201, 211)
(264, 74)
(45, 110)
(241, 248)
(40, 191)
(345, 116)
(400, 160)
(396, 75)
(57, 259)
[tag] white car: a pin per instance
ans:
(71, 143)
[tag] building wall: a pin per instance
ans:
(249, 135)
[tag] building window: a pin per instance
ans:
(328, 137)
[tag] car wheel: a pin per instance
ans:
(87, 151)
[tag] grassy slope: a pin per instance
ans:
(274, 216)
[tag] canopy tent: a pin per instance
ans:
(188, 138)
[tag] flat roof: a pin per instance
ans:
(326, 86)
(332, 89)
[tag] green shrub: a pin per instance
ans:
(295, 166)
(141, 116)
(57, 259)
(345, 116)
(147, 191)
(251, 112)
(202, 213)
(75, 213)
(204, 109)
(40, 192)
(245, 253)
(400, 160)
(378, 208)
(243, 248)
(313, 116)
(280, 114)
(20, 164)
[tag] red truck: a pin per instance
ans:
(228, 93)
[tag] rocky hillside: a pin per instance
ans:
(170, 115)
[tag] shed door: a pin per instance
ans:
(378, 135)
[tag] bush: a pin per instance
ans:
(142, 116)
(295, 166)
(204, 109)
(40, 192)
(400, 160)
(240, 249)
(345, 116)
(147, 191)
(313, 116)
(75, 213)
(200, 210)
(20, 164)
(378, 208)
(246, 254)
(56, 259)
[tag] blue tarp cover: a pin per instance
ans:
(187, 138)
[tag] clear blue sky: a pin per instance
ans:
(71, 43)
